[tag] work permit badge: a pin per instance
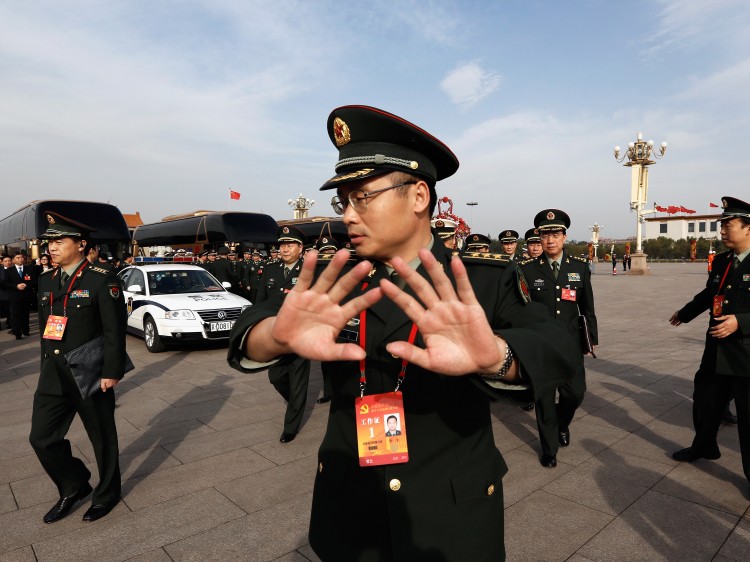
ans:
(568, 295)
(717, 307)
(381, 429)
(55, 327)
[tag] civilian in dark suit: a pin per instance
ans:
(725, 366)
(5, 293)
(20, 282)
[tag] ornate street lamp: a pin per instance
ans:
(639, 155)
(595, 228)
(301, 206)
(472, 204)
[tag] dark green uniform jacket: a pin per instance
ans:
(575, 275)
(730, 355)
(95, 307)
(446, 502)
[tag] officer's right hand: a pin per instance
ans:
(675, 319)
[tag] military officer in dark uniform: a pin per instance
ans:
(446, 230)
(478, 243)
(444, 342)
(326, 245)
(291, 376)
(509, 243)
(563, 284)
(78, 302)
(725, 366)
(533, 243)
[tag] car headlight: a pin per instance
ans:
(179, 315)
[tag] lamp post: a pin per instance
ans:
(639, 155)
(472, 204)
(301, 206)
(595, 228)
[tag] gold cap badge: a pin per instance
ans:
(550, 215)
(50, 219)
(341, 132)
(439, 224)
(724, 203)
(285, 230)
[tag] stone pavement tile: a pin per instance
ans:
(525, 476)
(177, 481)
(15, 399)
(587, 439)
(627, 414)
(737, 546)
(194, 448)
(138, 400)
(25, 554)
(7, 502)
(20, 468)
(203, 411)
(16, 430)
(260, 536)
(544, 527)
(608, 482)
(16, 416)
(268, 487)
(236, 417)
(659, 527)
(308, 553)
(503, 409)
(656, 441)
(133, 534)
(14, 447)
(728, 439)
(306, 444)
(510, 436)
(718, 484)
(198, 394)
(259, 396)
(156, 555)
(34, 491)
(291, 557)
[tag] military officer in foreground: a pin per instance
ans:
(509, 243)
(291, 376)
(563, 284)
(78, 302)
(430, 354)
(725, 366)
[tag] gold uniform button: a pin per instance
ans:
(726, 301)
(557, 286)
(558, 299)
(729, 286)
(57, 352)
(490, 489)
(395, 484)
(320, 467)
(558, 312)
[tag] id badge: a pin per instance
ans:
(568, 295)
(381, 429)
(717, 308)
(55, 327)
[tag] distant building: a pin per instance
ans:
(132, 220)
(683, 226)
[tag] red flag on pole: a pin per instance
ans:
(234, 195)
(713, 205)
(672, 209)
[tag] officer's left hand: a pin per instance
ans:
(108, 383)
(727, 327)
(458, 338)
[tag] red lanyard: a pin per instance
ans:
(362, 335)
(73, 279)
(724, 278)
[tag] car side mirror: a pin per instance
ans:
(134, 289)
(226, 284)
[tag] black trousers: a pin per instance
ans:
(19, 316)
(552, 418)
(51, 417)
(710, 397)
(290, 378)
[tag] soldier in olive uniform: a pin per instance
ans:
(444, 342)
(725, 366)
(533, 243)
(509, 243)
(291, 376)
(563, 284)
(78, 302)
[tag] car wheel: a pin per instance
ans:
(151, 336)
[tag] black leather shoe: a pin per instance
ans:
(548, 461)
(690, 455)
(65, 504)
(323, 399)
(528, 407)
(729, 417)
(287, 437)
(564, 438)
(98, 511)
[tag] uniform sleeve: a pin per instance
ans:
(249, 318)
(587, 305)
(113, 317)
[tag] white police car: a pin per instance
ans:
(178, 302)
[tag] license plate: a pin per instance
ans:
(220, 326)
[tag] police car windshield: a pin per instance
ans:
(176, 282)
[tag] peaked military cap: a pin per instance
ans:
(532, 235)
(212, 252)
(255, 253)
(508, 236)
(59, 226)
(372, 142)
(477, 241)
(734, 207)
(445, 227)
(326, 243)
(289, 234)
(552, 219)
(223, 251)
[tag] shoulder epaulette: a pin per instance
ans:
(325, 258)
(527, 260)
(485, 258)
(46, 271)
(580, 259)
(98, 270)
(724, 253)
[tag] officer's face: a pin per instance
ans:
(735, 234)
(65, 251)
(290, 252)
(391, 424)
(389, 224)
(552, 243)
(535, 249)
(7, 262)
(509, 247)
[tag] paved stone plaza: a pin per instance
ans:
(205, 477)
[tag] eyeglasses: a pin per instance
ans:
(553, 235)
(358, 198)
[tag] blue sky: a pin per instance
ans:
(162, 106)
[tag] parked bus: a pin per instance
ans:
(317, 227)
(20, 231)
